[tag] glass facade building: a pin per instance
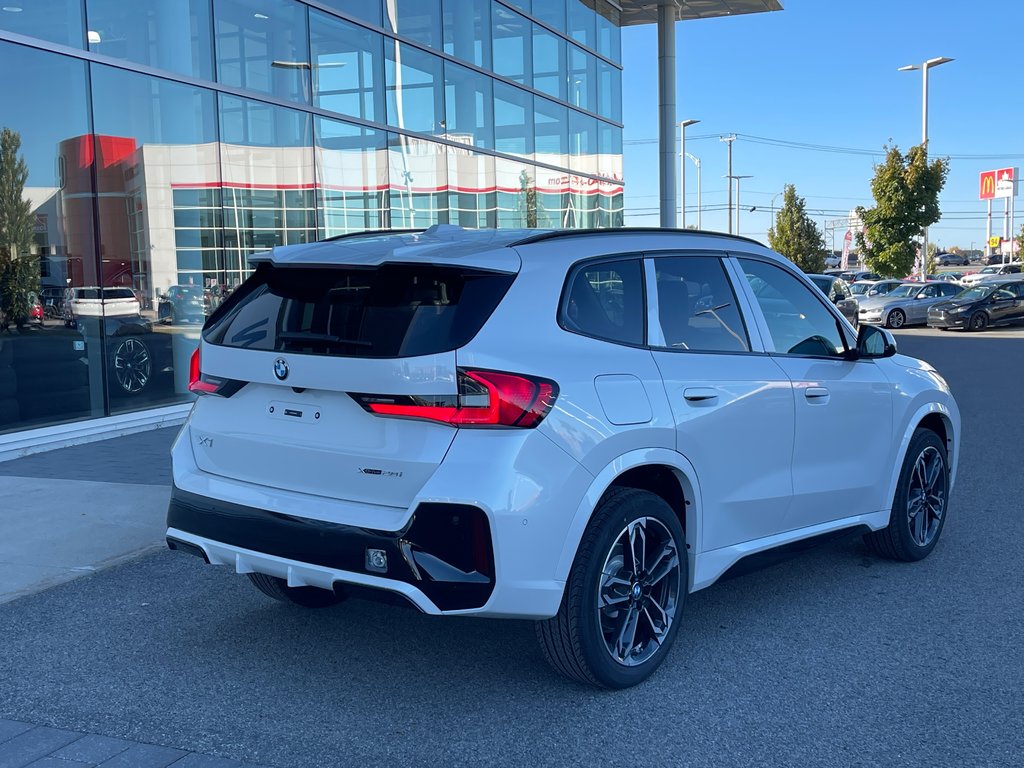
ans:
(148, 148)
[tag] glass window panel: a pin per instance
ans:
(367, 10)
(551, 123)
(146, 225)
(173, 36)
(262, 45)
(415, 91)
(549, 63)
(266, 156)
(526, 6)
(582, 142)
(59, 21)
(606, 300)
(582, 79)
(518, 204)
(513, 57)
(697, 308)
(513, 120)
(419, 20)
(609, 34)
(583, 22)
(469, 113)
(348, 67)
(472, 199)
(553, 202)
(609, 91)
(467, 31)
(49, 371)
(551, 13)
(417, 177)
(352, 167)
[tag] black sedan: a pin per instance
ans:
(951, 260)
(839, 293)
(977, 308)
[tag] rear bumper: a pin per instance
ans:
(441, 561)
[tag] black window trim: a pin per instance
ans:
(831, 309)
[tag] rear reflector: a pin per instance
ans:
(485, 399)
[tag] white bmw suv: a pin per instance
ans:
(577, 427)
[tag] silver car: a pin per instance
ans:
(907, 304)
(866, 289)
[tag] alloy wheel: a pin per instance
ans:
(896, 319)
(638, 591)
(132, 365)
(926, 496)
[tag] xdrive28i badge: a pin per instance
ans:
(281, 369)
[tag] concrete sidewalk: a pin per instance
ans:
(70, 512)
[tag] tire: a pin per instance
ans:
(915, 522)
(307, 597)
(896, 319)
(978, 322)
(131, 365)
(574, 640)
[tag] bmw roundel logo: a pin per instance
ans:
(281, 369)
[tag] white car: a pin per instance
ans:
(96, 302)
(577, 427)
(994, 272)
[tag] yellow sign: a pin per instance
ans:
(994, 241)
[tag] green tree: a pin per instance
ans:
(528, 205)
(795, 235)
(19, 269)
(906, 190)
(1020, 243)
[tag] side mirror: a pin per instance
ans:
(874, 342)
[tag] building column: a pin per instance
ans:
(667, 150)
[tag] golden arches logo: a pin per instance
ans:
(988, 184)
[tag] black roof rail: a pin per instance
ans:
(559, 233)
(371, 233)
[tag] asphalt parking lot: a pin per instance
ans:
(833, 658)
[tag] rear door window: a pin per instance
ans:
(606, 300)
(394, 310)
(696, 305)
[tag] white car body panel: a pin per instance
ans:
(759, 463)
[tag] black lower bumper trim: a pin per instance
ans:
(445, 551)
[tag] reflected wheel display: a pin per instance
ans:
(132, 365)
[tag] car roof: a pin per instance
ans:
(498, 249)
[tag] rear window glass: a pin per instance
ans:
(606, 300)
(117, 293)
(395, 310)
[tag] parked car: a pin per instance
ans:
(951, 260)
(866, 289)
(994, 259)
(854, 275)
(182, 304)
(906, 304)
(832, 260)
(95, 302)
(507, 423)
(948, 277)
(993, 272)
(979, 307)
(839, 293)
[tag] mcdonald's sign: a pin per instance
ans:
(987, 185)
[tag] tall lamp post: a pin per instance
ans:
(737, 178)
(683, 124)
(696, 162)
(924, 67)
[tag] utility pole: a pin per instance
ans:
(738, 207)
(683, 125)
(728, 143)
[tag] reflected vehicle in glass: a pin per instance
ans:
(839, 293)
(546, 425)
(980, 307)
(96, 302)
(182, 304)
(906, 304)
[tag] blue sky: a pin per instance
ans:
(824, 72)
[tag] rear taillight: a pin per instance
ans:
(485, 399)
(200, 384)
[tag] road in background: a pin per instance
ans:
(833, 658)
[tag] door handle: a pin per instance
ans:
(816, 394)
(700, 394)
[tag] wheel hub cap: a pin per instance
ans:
(926, 496)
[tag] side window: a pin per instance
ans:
(606, 300)
(1018, 288)
(950, 290)
(696, 305)
(930, 292)
(798, 321)
(1003, 294)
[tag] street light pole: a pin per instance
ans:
(924, 67)
(728, 143)
(737, 178)
(696, 161)
(682, 170)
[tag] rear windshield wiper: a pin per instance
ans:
(321, 338)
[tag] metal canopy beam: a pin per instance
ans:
(646, 11)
